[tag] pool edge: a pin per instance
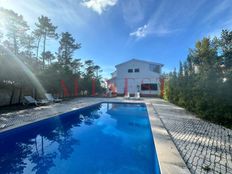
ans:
(46, 117)
(169, 158)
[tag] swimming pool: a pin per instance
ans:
(104, 138)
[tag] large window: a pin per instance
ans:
(130, 70)
(137, 70)
(149, 86)
(155, 68)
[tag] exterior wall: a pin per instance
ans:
(145, 75)
(132, 85)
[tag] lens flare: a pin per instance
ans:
(17, 62)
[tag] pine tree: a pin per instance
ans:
(48, 56)
(67, 47)
(45, 29)
(16, 28)
(203, 82)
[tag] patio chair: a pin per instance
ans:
(137, 95)
(52, 99)
(31, 101)
(127, 96)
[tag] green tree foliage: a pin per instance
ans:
(16, 28)
(45, 29)
(28, 45)
(20, 68)
(67, 47)
(91, 76)
(48, 56)
(203, 83)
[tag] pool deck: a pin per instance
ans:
(184, 143)
(205, 147)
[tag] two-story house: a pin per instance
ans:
(136, 75)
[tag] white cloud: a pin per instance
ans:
(99, 5)
(167, 18)
(140, 32)
(148, 29)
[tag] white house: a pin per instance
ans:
(136, 75)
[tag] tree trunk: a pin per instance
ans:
(37, 49)
(44, 44)
(29, 45)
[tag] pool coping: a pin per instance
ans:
(168, 156)
(48, 116)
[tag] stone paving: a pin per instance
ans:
(205, 147)
(17, 118)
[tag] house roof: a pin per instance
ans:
(139, 61)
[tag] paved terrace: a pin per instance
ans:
(205, 147)
(14, 119)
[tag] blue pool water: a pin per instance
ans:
(107, 138)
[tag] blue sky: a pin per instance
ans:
(113, 31)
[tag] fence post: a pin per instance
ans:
(65, 89)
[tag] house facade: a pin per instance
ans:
(136, 75)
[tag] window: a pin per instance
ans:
(130, 70)
(136, 69)
(149, 86)
(155, 68)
